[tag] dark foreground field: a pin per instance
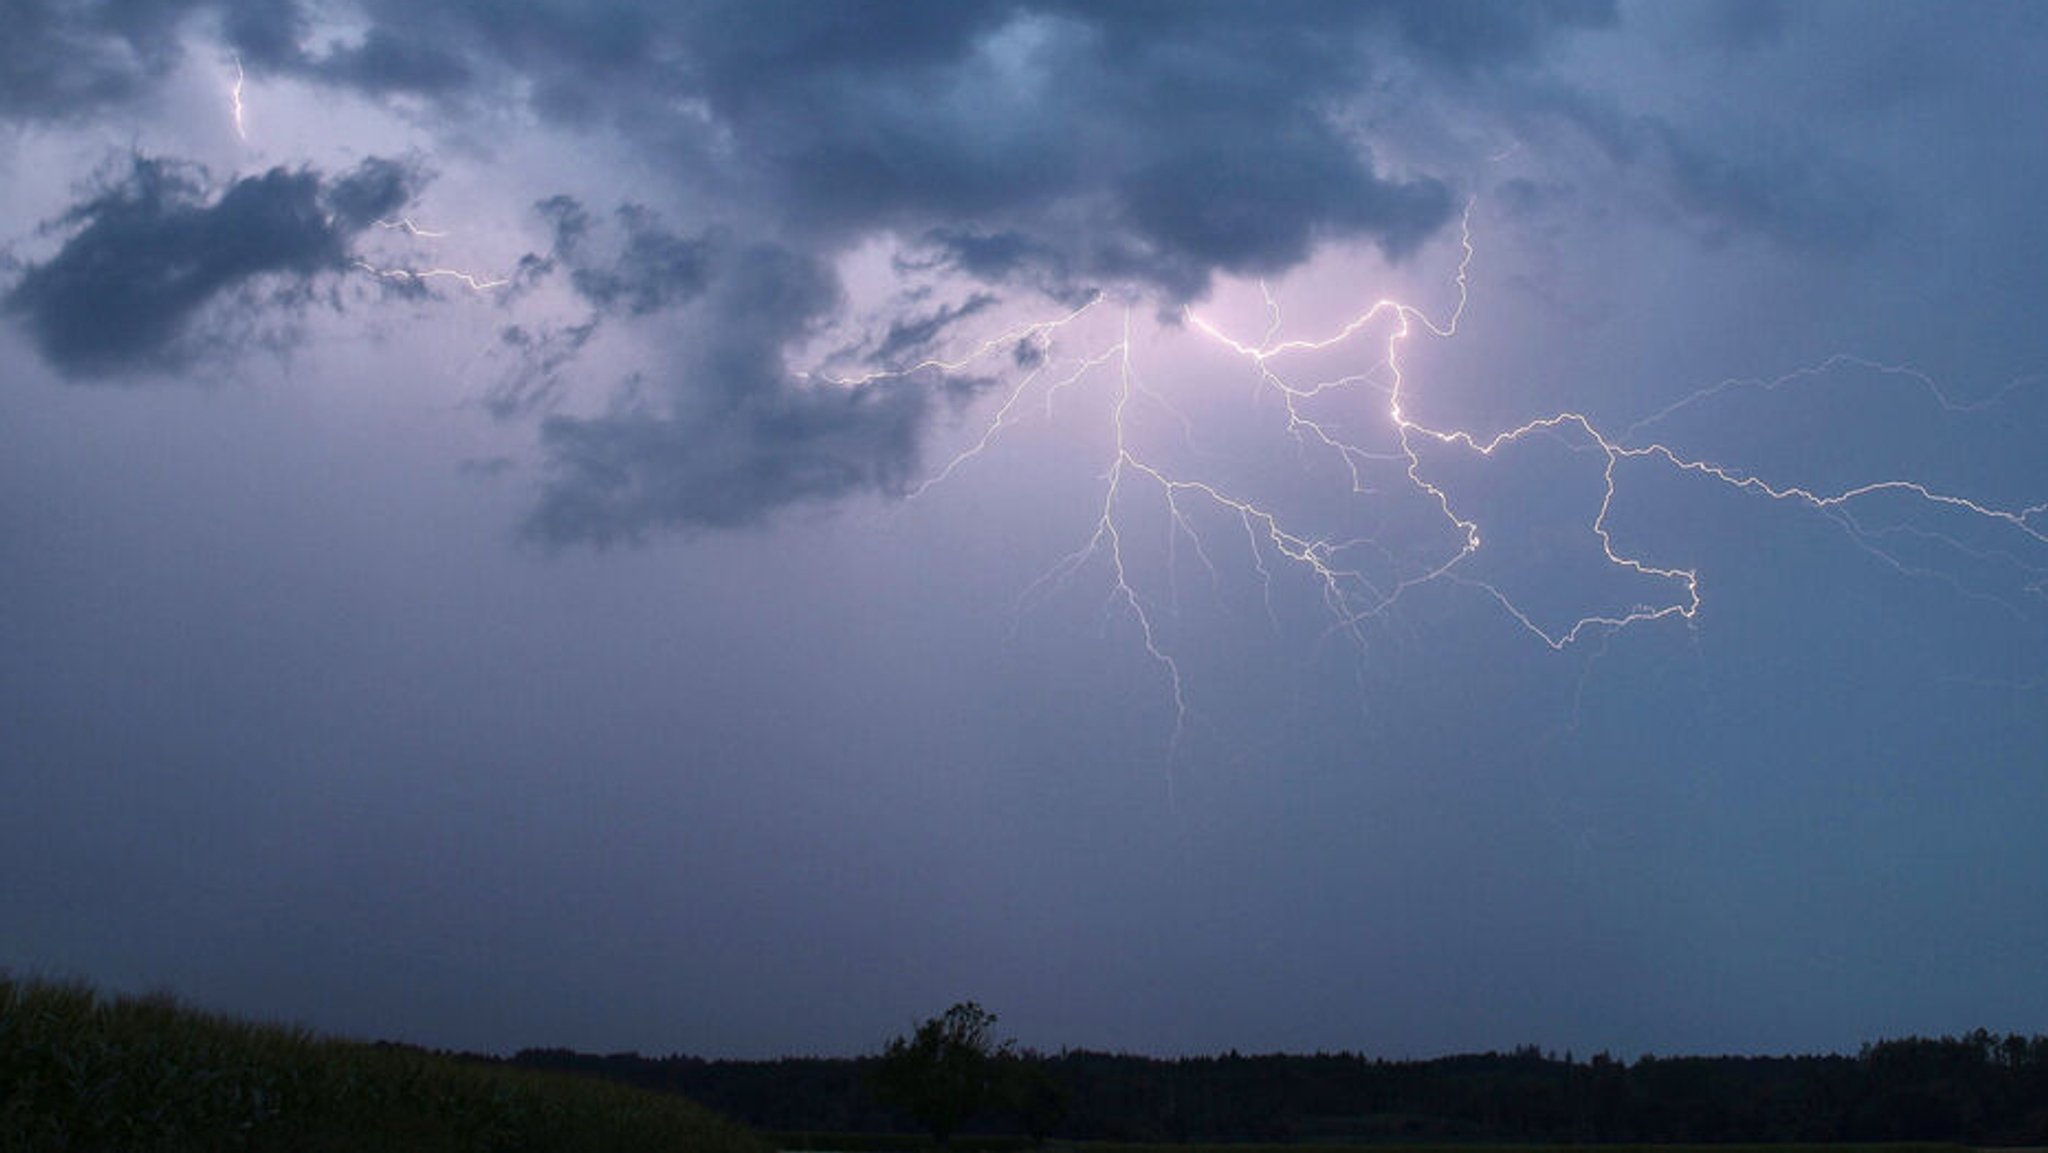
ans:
(84, 1072)
(79, 1071)
(898, 1143)
(868, 1143)
(1976, 1090)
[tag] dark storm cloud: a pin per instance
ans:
(911, 336)
(731, 434)
(738, 437)
(1156, 143)
(990, 256)
(543, 357)
(385, 62)
(61, 58)
(1741, 25)
(374, 191)
(1771, 181)
(652, 269)
(150, 251)
(1009, 257)
(627, 265)
(1262, 206)
(1476, 33)
(265, 33)
(65, 57)
(1051, 146)
(1797, 197)
(616, 478)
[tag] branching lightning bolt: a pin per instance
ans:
(1351, 596)
(1107, 539)
(399, 274)
(1615, 449)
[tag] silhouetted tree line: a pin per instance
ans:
(1979, 1089)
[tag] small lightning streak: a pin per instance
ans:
(469, 280)
(235, 100)
(406, 275)
(407, 225)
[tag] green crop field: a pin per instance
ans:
(81, 1071)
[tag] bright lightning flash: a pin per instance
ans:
(405, 224)
(407, 275)
(235, 101)
(469, 280)
(1351, 597)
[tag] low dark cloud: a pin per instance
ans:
(1476, 33)
(152, 249)
(649, 269)
(387, 62)
(731, 434)
(1051, 147)
(542, 357)
(265, 33)
(375, 191)
(1773, 182)
(736, 435)
(628, 264)
(1157, 145)
(1045, 146)
(1798, 197)
(1741, 25)
(911, 337)
(1263, 205)
(1153, 143)
(60, 58)
(1010, 257)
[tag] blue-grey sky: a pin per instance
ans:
(726, 527)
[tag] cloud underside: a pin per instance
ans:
(1050, 146)
(615, 479)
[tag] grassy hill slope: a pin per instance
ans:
(80, 1071)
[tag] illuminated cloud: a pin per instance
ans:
(61, 59)
(1051, 148)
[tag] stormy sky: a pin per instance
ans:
(726, 527)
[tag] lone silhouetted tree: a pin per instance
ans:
(945, 1073)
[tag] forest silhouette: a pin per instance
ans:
(1979, 1089)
